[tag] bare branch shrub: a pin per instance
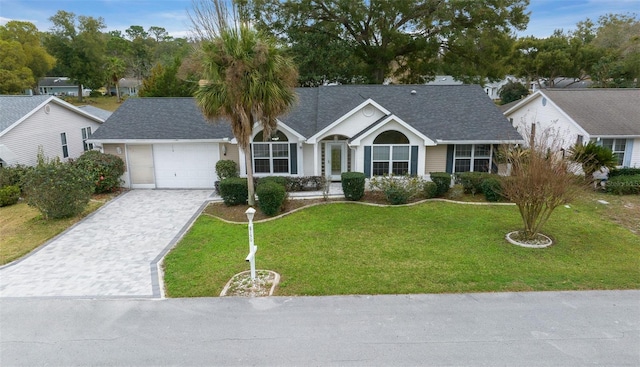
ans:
(540, 181)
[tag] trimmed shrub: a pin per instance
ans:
(9, 195)
(271, 197)
(304, 183)
(491, 187)
(227, 168)
(234, 191)
(430, 189)
(472, 181)
(456, 192)
(13, 176)
(280, 180)
(623, 185)
(104, 169)
(442, 181)
(353, 185)
(58, 190)
(398, 189)
(624, 172)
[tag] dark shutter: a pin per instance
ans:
(413, 170)
(494, 159)
(293, 158)
(450, 158)
(367, 161)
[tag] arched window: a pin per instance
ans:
(391, 154)
(272, 155)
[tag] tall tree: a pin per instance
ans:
(248, 80)
(408, 40)
(79, 47)
(164, 82)
(37, 60)
(15, 76)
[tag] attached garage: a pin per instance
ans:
(188, 165)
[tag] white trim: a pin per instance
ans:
(454, 142)
(381, 124)
(343, 158)
(158, 141)
(314, 138)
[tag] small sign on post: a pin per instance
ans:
(251, 258)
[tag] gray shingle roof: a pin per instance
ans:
(13, 108)
(98, 112)
(601, 111)
(56, 81)
(160, 119)
(457, 112)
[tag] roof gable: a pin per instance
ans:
(15, 109)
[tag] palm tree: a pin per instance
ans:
(592, 157)
(247, 81)
(115, 70)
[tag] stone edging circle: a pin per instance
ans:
(522, 244)
(276, 281)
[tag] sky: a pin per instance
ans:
(545, 17)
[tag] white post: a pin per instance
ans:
(251, 258)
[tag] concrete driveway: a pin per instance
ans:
(112, 253)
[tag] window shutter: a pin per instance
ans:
(628, 151)
(293, 158)
(494, 159)
(449, 159)
(413, 170)
(367, 161)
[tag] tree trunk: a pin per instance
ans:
(118, 91)
(249, 166)
(79, 92)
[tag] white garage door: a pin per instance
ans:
(185, 166)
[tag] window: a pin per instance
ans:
(65, 149)
(472, 158)
(86, 134)
(617, 146)
(271, 156)
(391, 154)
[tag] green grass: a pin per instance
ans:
(433, 247)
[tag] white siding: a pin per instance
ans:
(355, 123)
(548, 119)
(43, 129)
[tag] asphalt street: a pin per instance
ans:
(489, 329)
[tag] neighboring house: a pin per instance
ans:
(128, 87)
(59, 86)
(59, 128)
(492, 89)
(375, 129)
(610, 117)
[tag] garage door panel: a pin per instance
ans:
(185, 165)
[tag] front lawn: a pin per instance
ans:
(434, 247)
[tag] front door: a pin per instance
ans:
(335, 160)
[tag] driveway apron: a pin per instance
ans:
(111, 253)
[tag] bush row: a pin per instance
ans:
(623, 185)
(61, 189)
(624, 172)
